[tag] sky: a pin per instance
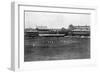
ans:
(55, 20)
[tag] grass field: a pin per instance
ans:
(56, 48)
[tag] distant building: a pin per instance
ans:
(30, 30)
(79, 28)
(41, 27)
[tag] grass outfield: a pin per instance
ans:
(56, 48)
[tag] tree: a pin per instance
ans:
(63, 29)
(71, 27)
